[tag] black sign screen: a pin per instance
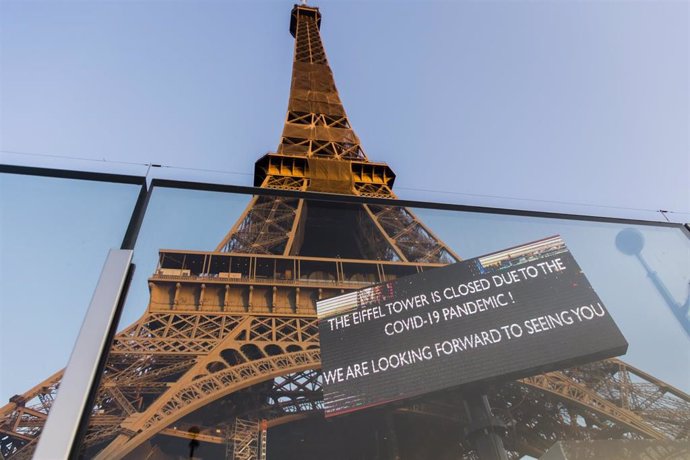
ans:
(510, 314)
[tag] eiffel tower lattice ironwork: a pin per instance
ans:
(232, 334)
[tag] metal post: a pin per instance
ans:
(485, 431)
(392, 451)
(61, 429)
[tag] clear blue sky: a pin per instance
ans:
(579, 102)
(575, 101)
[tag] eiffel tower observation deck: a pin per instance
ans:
(230, 339)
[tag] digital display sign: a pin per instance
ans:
(506, 315)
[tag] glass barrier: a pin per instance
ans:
(218, 341)
(55, 234)
(219, 328)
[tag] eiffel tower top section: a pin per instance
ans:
(318, 149)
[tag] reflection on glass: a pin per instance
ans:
(54, 237)
(219, 329)
(630, 241)
(630, 295)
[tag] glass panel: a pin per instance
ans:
(191, 220)
(632, 286)
(55, 234)
(227, 285)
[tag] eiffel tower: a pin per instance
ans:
(229, 340)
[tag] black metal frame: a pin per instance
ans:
(145, 193)
(167, 183)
